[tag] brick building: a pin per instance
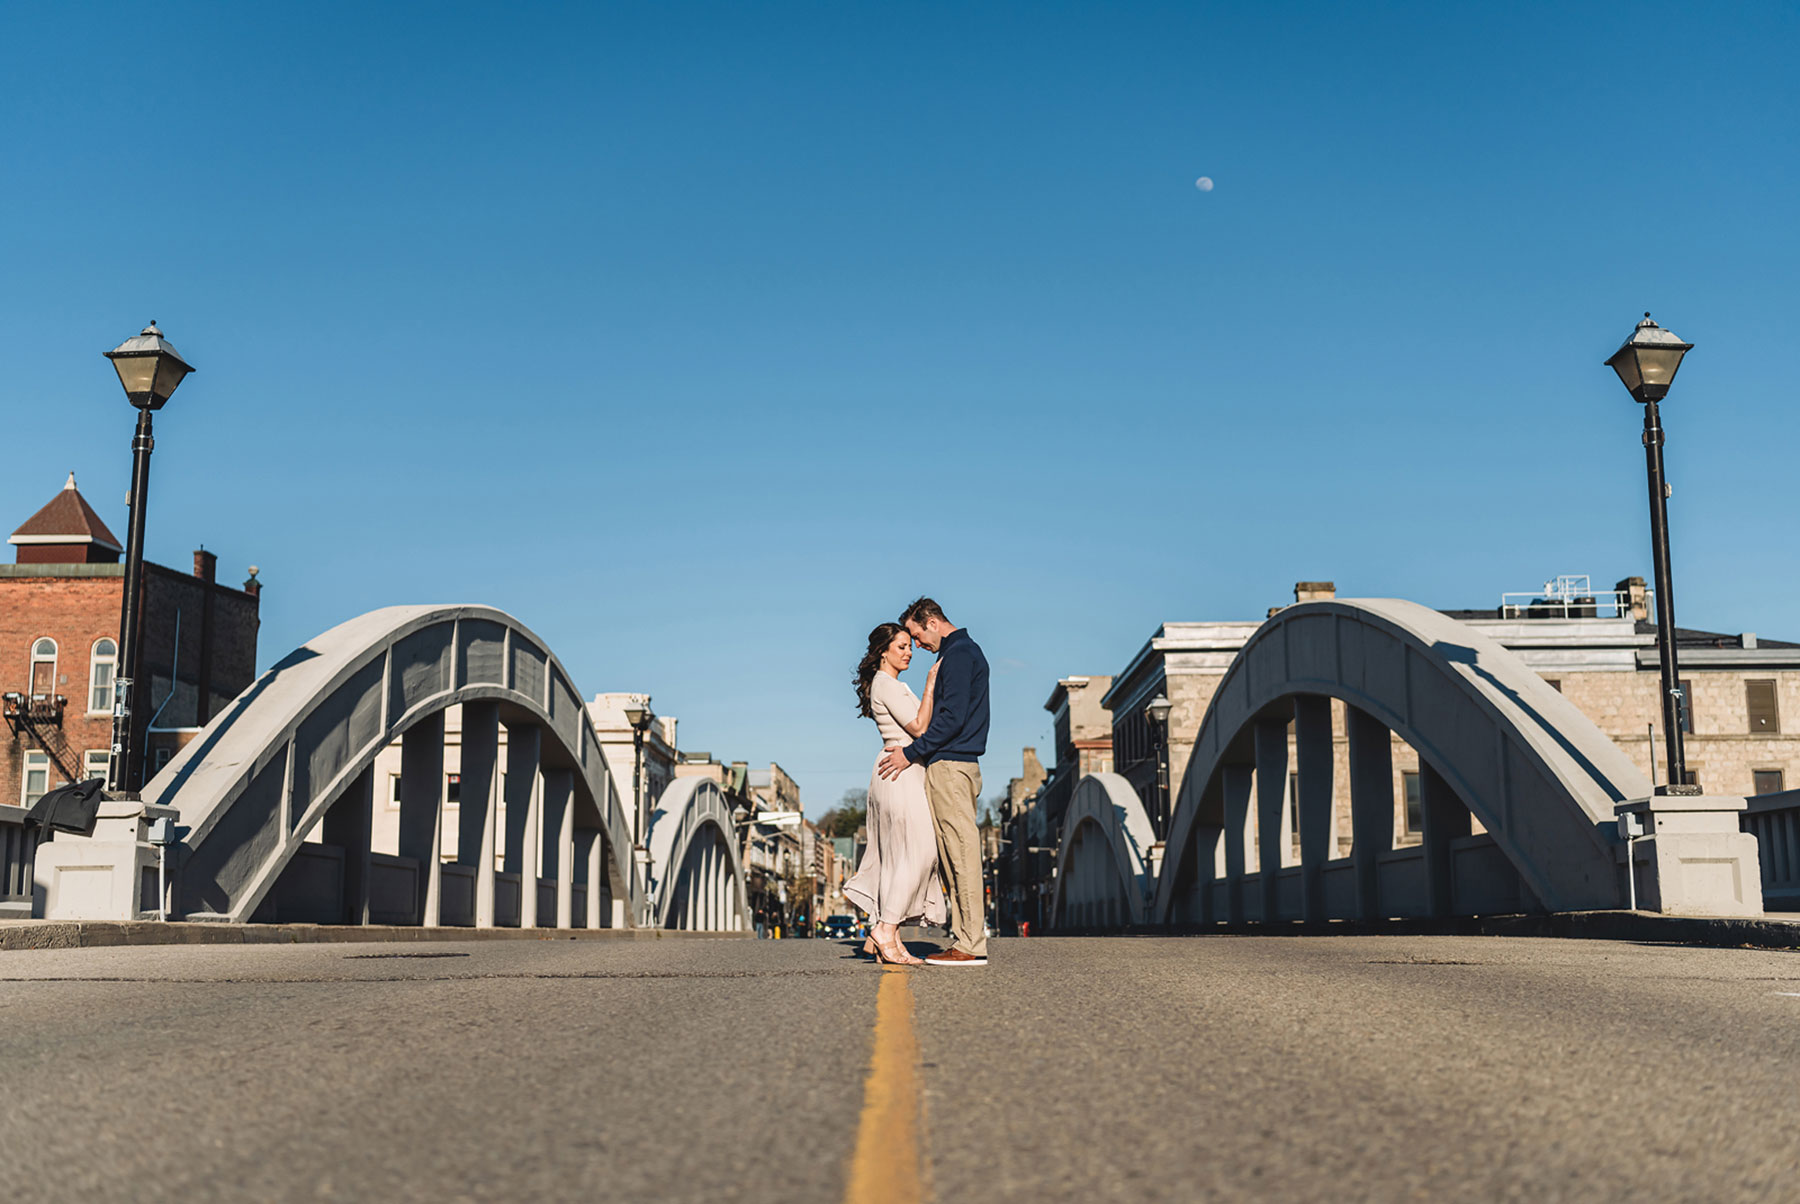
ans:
(59, 630)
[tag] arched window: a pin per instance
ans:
(103, 663)
(43, 666)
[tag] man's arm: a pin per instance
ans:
(951, 709)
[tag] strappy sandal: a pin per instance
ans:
(898, 957)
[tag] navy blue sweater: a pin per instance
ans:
(959, 715)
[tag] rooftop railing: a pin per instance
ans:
(1570, 596)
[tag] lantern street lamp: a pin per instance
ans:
(150, 370)
(638, 717)
(1647, 364)
(1156, 712)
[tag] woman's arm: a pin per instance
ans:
(922, 720)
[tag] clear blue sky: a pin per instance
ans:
(702, 337)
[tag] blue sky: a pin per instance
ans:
(702, 337)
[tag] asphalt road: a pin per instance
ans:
(1236, 1068)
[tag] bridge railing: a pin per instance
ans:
(1774, 819)
(18, 851)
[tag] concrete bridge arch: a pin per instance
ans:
(696, 878)
(1495, 742)
(294, 755)
(1104, 875)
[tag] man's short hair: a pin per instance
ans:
(922, 611)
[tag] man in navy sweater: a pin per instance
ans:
(950, 750)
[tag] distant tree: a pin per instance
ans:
(850, 814)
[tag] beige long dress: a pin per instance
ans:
(897, 882)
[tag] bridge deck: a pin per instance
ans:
(1071, 1069)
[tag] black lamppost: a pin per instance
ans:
(150, 370)
(1647, 364)
(1156, 712)
(639, 718)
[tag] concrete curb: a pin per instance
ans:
(1641, 927)
(93, 934)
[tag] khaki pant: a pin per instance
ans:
(953, 787)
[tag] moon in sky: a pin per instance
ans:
(1204, 183)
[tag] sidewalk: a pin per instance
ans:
(92, 934)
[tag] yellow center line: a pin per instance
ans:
(887, 1167)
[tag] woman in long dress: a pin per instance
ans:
(897, 882)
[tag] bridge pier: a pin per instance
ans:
(1235, 781)
(519, 789)
(475, 802)
(1371, 806)
(1270, 739)
(1313, 755)
(559, 842)
(589, 863)
(349, 824)
(1446, 819)
(421, 836)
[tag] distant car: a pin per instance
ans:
(840, 927)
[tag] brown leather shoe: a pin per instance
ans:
(955, 957)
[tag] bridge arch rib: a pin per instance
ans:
(295, 752)
(1103, 869)
(696, 876)
(1494, 741)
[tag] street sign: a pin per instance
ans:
(777, 819)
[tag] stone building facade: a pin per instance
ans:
(1032, 810)
(60, 607)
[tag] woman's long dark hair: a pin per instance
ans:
(879, 639)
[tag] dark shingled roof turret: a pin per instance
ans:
(67, 518)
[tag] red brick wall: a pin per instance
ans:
(76, 610)
(73, 611)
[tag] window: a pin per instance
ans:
(37, 778)
(95, 762)
(1759, 699)
(1415, 811)
(43, 667)
(1690, 777)
(453, 789)
(1769, 781)
(1293, 810)
(1555, 683)
(393, 790)
(1684, 705)
(163, 756)
(102, 665)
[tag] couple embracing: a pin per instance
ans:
(923, 791)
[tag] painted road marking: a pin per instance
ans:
(886, 1167)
